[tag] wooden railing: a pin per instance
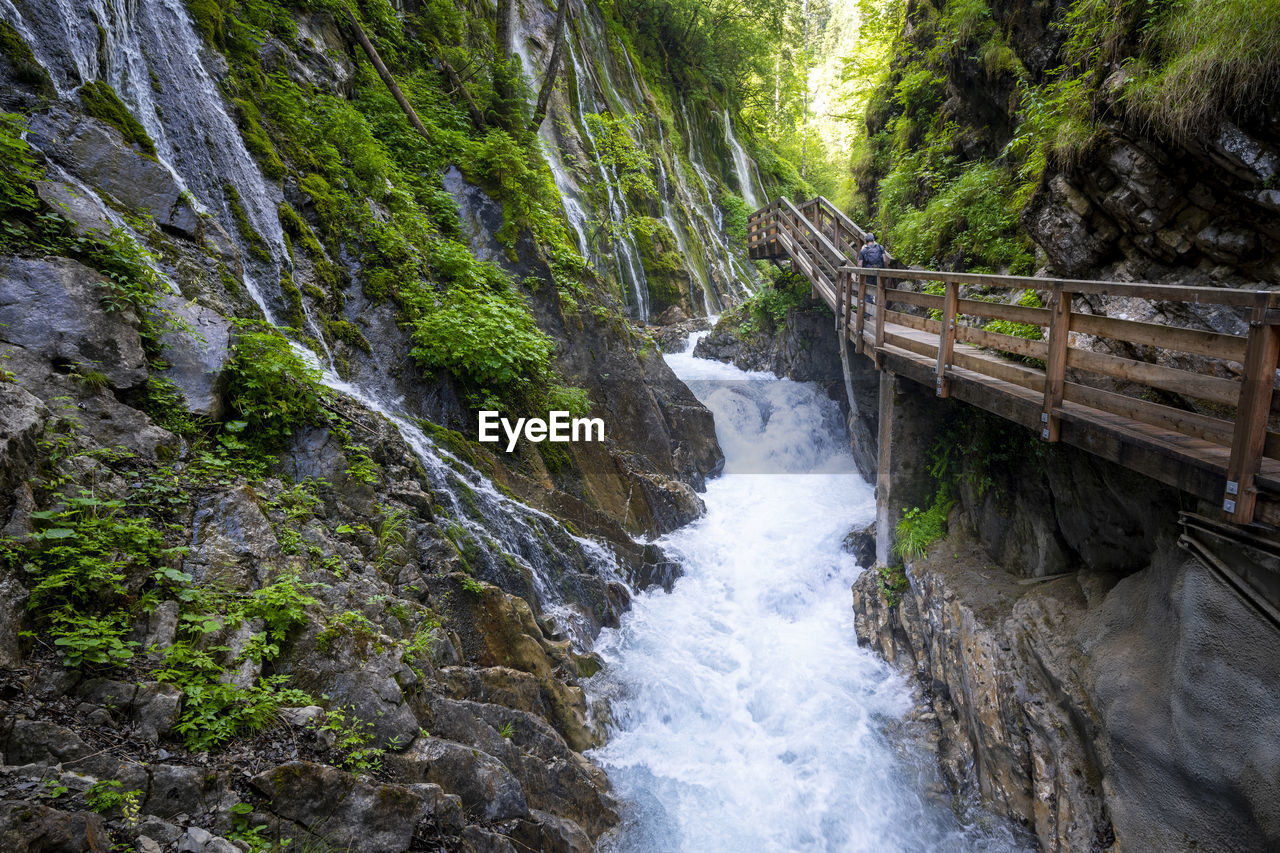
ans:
(1052, 360)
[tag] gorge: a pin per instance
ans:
(272, 270)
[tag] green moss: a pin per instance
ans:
(257, 141)
(22, 62)
(102, 102)
(348, 333)
(208, 19)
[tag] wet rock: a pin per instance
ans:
(861, 543)
(96, 153)
(86, 215)
(553, 777)
(197, 352)
(313, 453)
(551, 834)
(675, 338)
(33, 828)
(672, 316)
(51, 310)
(343, 810)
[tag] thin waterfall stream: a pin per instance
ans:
(745, 716)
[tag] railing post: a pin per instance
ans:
(1055, 372)
(862, 313)
(1250, 435)
(842, 303)
(947, 338)
(882, 308)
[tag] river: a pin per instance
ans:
(744, 716)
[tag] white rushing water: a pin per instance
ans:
(746, 718)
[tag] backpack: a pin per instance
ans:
(872, 255)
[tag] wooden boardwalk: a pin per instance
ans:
(1134, 412)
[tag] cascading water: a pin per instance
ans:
(741, 163)
(511, 544)
(745, 717)
(151, 55)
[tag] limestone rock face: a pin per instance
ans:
(342, 809)
(197, 352)
(230, 539)
(1091, 709)
(96, 152)
(50, 309)
(33, 828)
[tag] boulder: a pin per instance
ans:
(487, 788)
(86, 214)
(182, 790)
(671, 316)
(230, 539)
(51, 308)
(33, 828)
(346, 812)
(97, 153)
(861, 544)
(198, 352)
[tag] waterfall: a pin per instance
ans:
(516, 547)
(745, 716)
(741, 163)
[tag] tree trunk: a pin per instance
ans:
(372, 53)
(506, 9)
(548, 82)
(477, 118)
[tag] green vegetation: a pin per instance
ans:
(18, 171)
(352, 737)
(1202, 60)
(948, 189)
(921, 527)
(216, 709)
(102, 102)
(25, 69)
(766, 309)
(270, 387)
(892, 582)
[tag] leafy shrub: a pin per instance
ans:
(1210, 58)
(483, 335)
(270, 387)
(18, 168)
(920, 528)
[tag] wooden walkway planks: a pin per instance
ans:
(1191, 451)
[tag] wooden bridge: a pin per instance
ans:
(1134, 412)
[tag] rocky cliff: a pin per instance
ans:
(261, 586)
(1090, 678)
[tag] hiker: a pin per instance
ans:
(872, 255)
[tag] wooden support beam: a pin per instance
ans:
(1056, 364)
(1250, 434)
(881, 311)
(947, 341)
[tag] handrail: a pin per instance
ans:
(783, 228)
